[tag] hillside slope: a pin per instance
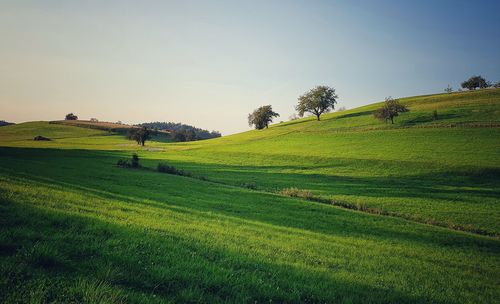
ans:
(444, 171)
(76, 228)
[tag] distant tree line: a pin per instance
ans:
(181, 132)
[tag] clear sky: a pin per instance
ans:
(210, 63)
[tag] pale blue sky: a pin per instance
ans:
(210, 63)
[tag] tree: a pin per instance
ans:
(389, 110)
(475, 82)
(262, 117)
(71, 116)
(448, 89)
(317, 101)
(140, 135)
(497, 85)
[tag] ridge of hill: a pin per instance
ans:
(100, 125)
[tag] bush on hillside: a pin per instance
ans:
(165, 168)
(296, 192)
(41, 138)
(132, 163)
(249, 185)
(123, 163)
(135, 161)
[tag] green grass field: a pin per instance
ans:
(76, 228)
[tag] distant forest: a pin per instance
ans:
(179, 129)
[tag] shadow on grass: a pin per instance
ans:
(139, 265)
(422, 119)
(356, 114)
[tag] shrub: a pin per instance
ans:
(164, 168)
(296, 192)
(135, 161)
(123, 163)
(41, 138)
(132, 163)
(249, 185)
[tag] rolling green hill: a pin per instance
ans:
(76, 228)
(444, 171)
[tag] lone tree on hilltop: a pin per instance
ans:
(389, 110)
(71, 116)
(317, 101)
(139, 135)
(475, 82)
(448, 89)
(262, 117)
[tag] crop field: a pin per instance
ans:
(403, 213)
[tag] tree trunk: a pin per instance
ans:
(317, 116)
(392, 120)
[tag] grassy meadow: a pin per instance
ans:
(76, 228)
